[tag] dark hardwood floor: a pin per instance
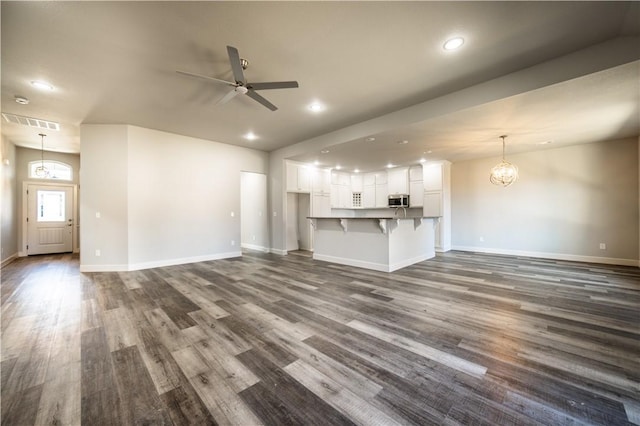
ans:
(264, 339)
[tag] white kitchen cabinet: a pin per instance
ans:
(416, 193)
(369, 179)
(433, 177)
(382, 195)
(398, 180)
(369, 196)
(298, 178)
(437, 201)
(416, 186)
(340, 178)
(416, 174)
(345, 197)
(357, 183)
(340, 190)
(321, 205)
(432, 204)
(321, 181)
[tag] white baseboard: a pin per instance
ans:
(352, 262)
(8, 260)
(255, 247)
(555, 256)
(278, 251)
(409, 262)
(105, 268)
(158, 263)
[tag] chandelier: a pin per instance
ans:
(41, 171)
(504, 173)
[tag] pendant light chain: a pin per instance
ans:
(42, 171)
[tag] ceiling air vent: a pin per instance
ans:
(31, 122)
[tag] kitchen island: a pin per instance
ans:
(379, 243)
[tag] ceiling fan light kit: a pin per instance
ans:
(241, 86)
(505, 173)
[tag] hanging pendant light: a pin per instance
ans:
(41, 171)
(504, 173)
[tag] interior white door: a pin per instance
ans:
(49, 219)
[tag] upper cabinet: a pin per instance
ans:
(321, 181)
(357, 182)
(416, 187)
(433, 177)
(298, 177)
(340, 190)
(398, 180)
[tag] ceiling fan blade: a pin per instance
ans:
(204, 77)
(253, 95)
(226, 98)
(236, 65)
(274, 85)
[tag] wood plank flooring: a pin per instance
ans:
(264, 339)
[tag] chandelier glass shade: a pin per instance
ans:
(41, 171)
(505, 173)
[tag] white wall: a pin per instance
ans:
(9, 203)
(175, 199)
(253, 211)
(566, 202)
(104, 164)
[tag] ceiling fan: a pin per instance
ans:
(241, 85)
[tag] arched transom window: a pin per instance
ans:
(49, 169)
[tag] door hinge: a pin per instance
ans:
(27, 219)
(27, 246)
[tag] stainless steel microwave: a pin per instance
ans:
(399, 200)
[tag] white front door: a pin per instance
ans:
(49, 219)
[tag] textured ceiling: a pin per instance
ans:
(116, 62)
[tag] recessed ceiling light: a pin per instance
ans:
(324, 151)
(404, 142)
(251, 136)
(544, 143)
(453, 43)
(21, 100)
(338, 167)
(422, 160)
(42, 85)
(356, 171)
(390, 166)
(370, 139)
(316, 163)
(427, 152)
(316, 107)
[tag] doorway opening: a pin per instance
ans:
(254, 226)
(299, 231)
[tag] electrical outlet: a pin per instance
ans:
(275, 214)
(254, 237)
(482, 239)
(98, 253)
(603, 246)
(233, 242)
(232, 214)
